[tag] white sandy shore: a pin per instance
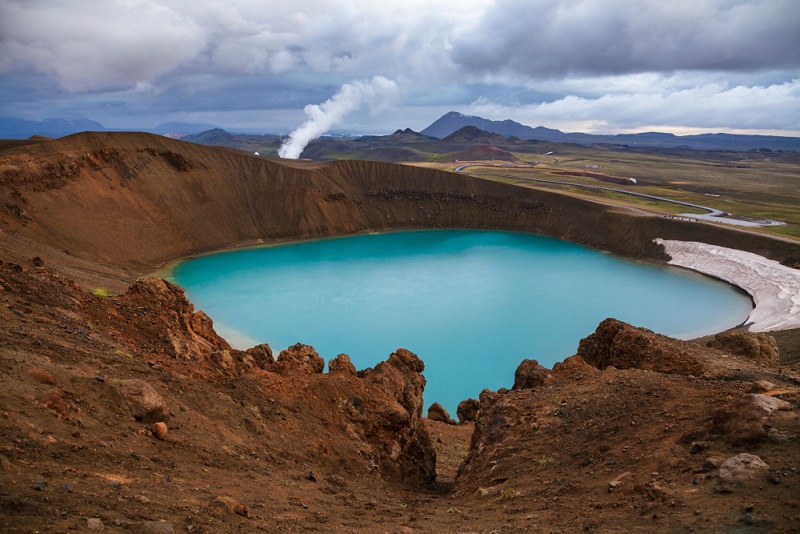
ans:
(775, 288)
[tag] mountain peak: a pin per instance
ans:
(453, 121)
(473, 134)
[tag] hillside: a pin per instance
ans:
(154, 199)
(123, 410)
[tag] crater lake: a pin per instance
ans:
(471, 304)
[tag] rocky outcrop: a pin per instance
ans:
(759, 347)
(341, 364)
(529, 375)
(623, 346)
(403, 446)
(160, 310)
(261, 356)
(154, 319)
(300, 356)
(468, 410)
(574, 367)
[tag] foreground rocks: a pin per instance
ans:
(649, 447)
(136, 396)
(128, 411)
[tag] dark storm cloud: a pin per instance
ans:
(545, 38)
(574, 64)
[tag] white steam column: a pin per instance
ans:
(377, 93)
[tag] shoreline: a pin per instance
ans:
(774, 288)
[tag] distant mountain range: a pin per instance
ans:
(13, 128)
(468, 143)
(505, 132)
(453, 121)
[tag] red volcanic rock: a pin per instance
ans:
(144, 402)
(341, 364)
(745, 421)
(623, 346)
(395, 426)
(262, 355)
(160, 430)
(468, 410)
(759, 347)
(436, 412)
(160, 310)
(301, 356)
(574, 366)
(229, 505)
(529, 375)
(204, 327)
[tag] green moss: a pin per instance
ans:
(102, 292)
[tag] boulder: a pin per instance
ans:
(301, 356)
(341, 364)
(436, 412)
(230, 505)
(529, 375)
(144, 402)
(770, 404)
(752, 345)
(741, 422)
(160, 430)
(468, 410)
(739, 470)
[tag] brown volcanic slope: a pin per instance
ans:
(134, 201)
(629, 435)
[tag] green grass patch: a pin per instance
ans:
(102, 292)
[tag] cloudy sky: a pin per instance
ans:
(604, 66)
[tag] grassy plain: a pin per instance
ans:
(747, 184)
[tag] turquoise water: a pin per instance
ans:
(471, 304)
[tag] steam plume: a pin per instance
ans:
(375, 93)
